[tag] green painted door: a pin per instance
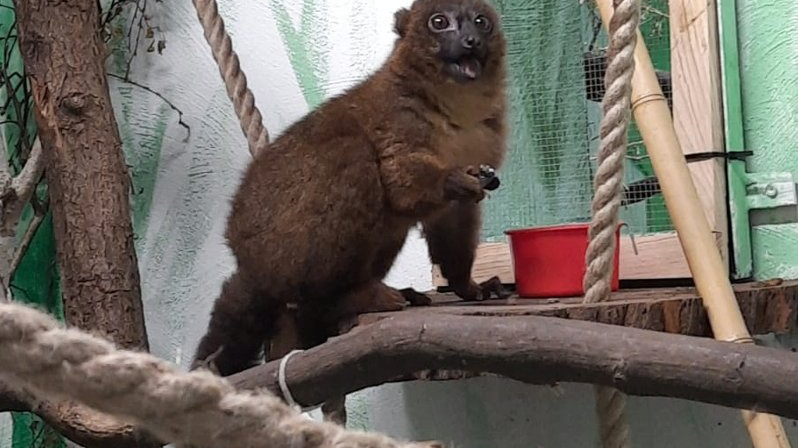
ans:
(760, 49)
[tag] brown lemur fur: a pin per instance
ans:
(321, 215)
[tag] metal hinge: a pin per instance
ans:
(769, 190)
(753, 191)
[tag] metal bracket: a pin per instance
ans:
(753, 191)
(769, 190)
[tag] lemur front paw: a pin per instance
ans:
(463, 184)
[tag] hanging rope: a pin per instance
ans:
(197, 409)
(608, 184)
(234, 79)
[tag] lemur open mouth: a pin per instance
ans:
(469, 67)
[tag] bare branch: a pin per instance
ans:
(15, 194)
(26, 241)
(539, 350)
(80, 424)
(25, 183)
(19, 190)
(655, 11)
(171, 105)
(532, 349)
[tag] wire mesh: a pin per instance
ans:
(17, 127)
(557, 58)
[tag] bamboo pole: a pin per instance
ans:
(703, 257)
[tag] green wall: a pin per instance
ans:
(768, 46)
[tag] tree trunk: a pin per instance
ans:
(86, 172)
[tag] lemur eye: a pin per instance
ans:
(482, 23)
(438, 22)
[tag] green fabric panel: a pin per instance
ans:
(546, 178)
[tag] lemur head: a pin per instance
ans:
(459, 40)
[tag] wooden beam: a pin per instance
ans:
(540, 350)
(697, 104)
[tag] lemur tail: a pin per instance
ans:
(241, 320)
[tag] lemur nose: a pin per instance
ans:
(471, 42)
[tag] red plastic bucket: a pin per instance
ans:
(550, 261)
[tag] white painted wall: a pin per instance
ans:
(5, 429)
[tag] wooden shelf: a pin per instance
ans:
(768, 307)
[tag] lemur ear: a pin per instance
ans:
(401, 17)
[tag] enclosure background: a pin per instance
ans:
(298, 52)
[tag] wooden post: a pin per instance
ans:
(697, 105)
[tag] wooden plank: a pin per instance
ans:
(658, 255)
(767, 307)
(697, 104)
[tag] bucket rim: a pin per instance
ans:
(553, 228)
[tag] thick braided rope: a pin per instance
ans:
(610, 402)
(611, 411)
(195, 409)
(608, 182)
(234, 79)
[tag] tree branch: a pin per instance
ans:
(84, 426)
(531, 349)
(27, 239)
(541, 350)
(16, 193)
(25, 183)
(126, 79)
